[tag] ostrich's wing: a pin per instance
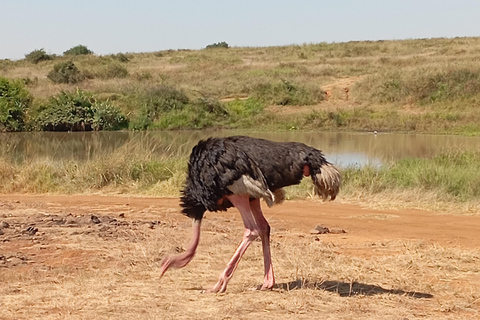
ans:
(216, 164)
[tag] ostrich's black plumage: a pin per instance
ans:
(238, 171)
(216, 163)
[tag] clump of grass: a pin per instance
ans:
(131, 168)
(65, 72)
(424, 85)
(120, 57)
(110, 71)
(286, 93)
(454, 174)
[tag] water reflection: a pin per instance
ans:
(343, 149)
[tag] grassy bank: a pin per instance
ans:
(450, 180)
(425, 85)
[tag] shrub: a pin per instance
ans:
(67, 112)
(38, 55)
(243, 112)
(210, 105)
(157, 101)
(108, 117)
(222, 44)
(120, 57)
(78, 111)
(65, 72)
(78, 50)
(111, 70)
(14, 102)
(286, 93)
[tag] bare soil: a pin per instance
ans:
(99, 257)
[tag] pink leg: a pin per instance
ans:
(264, 227)
(183, 259)
(242, 203)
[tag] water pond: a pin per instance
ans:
(341, 148)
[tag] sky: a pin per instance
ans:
(113, 26)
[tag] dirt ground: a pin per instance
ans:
(99, 257)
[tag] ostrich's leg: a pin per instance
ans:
(183, 259)
(242, 203)
(264, 228)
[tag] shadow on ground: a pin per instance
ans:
(346, 289)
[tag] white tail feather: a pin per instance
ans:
(327, 182)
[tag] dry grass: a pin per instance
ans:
(89, 271)
(424, 85)
(414, 199)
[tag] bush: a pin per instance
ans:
(211, 106)
(14, 102)
(157, 101)
(111, 70)
(78, 111)
(120, 57)
(65, 72)
(243, 112)
(286, 93)
(222, 44)
(38, 55)
(108, 117)
(78, 50)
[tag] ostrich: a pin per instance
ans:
(239, 171)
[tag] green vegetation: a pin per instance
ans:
(65, 72)
(222, 44)
(287, 94)
(455, 175)
(427, 85)
(37, 56)
(451, 177)
(78, 50)
(14, 102)
(78, 111)
(133, 167)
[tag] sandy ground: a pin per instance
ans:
(42, 234)
(362, 224)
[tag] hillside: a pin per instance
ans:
(425, 85)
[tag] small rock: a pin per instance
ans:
(31, 230)
(95, 219)
(314, 231)
(121, 215)
(322, 229)
(71, 221)
(4, 225)
(103, 229)
(337, 231)
(2, 232)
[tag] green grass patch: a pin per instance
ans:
(133, 169)
(453, 174)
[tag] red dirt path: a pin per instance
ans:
(361, 224)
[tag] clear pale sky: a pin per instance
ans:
(108, 26)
